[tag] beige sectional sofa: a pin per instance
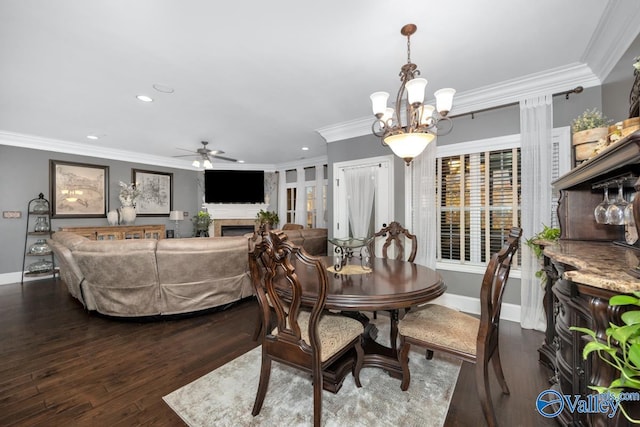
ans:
(132, 278)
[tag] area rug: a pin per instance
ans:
(224, 397)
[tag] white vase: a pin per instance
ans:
(127, 215)
(112, 217)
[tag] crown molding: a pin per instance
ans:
(60, 146)
(547, 82)
(616, 30)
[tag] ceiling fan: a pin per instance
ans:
(204, 156)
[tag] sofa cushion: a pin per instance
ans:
(69, 271)
(200, 273)
(120, 276)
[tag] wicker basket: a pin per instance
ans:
(585, 142)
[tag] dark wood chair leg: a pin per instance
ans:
(403, 358)
(265, 373)
(484, 392)
(497, 367)
(358, 365)
(258, 330)
(317, 396)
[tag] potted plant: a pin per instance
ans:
(589, 129)
(621, 351)
(201, 224)
(267, 217)
(547, 236)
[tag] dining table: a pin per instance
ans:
(380, 285)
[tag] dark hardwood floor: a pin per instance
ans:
(61, 366)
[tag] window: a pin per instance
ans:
(479, 201)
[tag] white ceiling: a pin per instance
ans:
(260, 79)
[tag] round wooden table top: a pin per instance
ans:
(389, 285)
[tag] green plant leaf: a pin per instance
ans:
(592, 346)
(623, 300)
(623, 333)
(631, 317)
(587, 331)
(634, 355)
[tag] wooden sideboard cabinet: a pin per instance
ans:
(119, 232)
(584, 269)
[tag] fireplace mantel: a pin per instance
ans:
(232, 214)
(234, 210)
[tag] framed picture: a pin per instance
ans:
(156, 198)
(78, 190)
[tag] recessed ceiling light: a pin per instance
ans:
(163, 88)
(93, 137)
(144, 98)
(305, 148)
(240, 161)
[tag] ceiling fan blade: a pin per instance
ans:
(184, 149)
(229, 159)
(187, 155)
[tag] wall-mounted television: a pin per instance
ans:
(233, 186)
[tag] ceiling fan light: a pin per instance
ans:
(207, 164)
(379, 103)
(444, 100)
(415, 91)
(195, 164)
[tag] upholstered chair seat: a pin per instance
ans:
(441, 326)
(335, 332)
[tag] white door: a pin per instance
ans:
(383, 199)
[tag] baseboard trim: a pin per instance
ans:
(15, 277)
(471, 305)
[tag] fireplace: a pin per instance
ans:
(236, 230)
(233, 215)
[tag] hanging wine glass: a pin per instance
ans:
(600, 212)
(615, 211)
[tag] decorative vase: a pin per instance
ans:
(40, 247)
(113, 218)
(127, 215)
(40, 206)
(42, 225)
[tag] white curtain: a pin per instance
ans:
(423, 196)
(360, 183)
(536, 123)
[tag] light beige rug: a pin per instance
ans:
(224, 397)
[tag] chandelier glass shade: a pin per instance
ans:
(412, 125)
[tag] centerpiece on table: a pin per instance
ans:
(128, 195)
(201, 223)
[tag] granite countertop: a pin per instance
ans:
(598, 264)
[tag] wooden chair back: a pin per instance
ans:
(395, 235)
(491, 292)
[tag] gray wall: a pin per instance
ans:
(24, 173)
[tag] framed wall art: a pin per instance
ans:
(156, 197)
(78, 190)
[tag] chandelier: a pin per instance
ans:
(422, 123)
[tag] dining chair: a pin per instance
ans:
(395, 235)
(307, 338)
(438, 328)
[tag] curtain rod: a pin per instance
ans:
(566, 93)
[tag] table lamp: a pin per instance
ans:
(176, 216)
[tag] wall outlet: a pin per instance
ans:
(185, 214)
(11, 214)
